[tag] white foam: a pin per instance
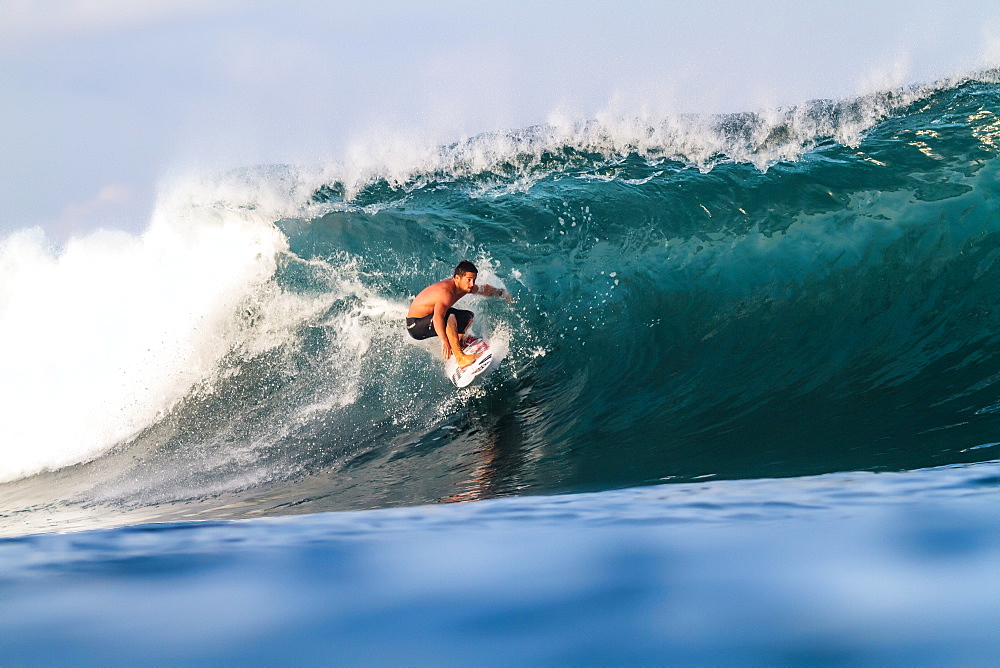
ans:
(100, 338)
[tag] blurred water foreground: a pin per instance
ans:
(842, 568)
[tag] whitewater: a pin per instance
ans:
(734, 338)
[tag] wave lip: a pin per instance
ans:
(522, 157)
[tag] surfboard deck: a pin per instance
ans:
(465, 376)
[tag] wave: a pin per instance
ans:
(522, 157)
(785, 293)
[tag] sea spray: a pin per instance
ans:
(105, 335)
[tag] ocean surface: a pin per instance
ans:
(749, 410)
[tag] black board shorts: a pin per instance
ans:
(423, 328)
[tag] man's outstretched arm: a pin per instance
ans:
(490, 291)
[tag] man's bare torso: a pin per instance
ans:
(442, 291)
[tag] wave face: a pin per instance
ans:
(749, 296)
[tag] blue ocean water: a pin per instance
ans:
(748, 410)
(833, 569)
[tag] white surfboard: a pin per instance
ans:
(464, 376)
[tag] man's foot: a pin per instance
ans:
(465, 360)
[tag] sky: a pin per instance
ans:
(104, 101)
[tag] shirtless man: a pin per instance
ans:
(431, 313)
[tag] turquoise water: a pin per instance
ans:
(749, 404)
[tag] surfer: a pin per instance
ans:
(431, 313)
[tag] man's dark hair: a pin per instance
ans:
(465, 266)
